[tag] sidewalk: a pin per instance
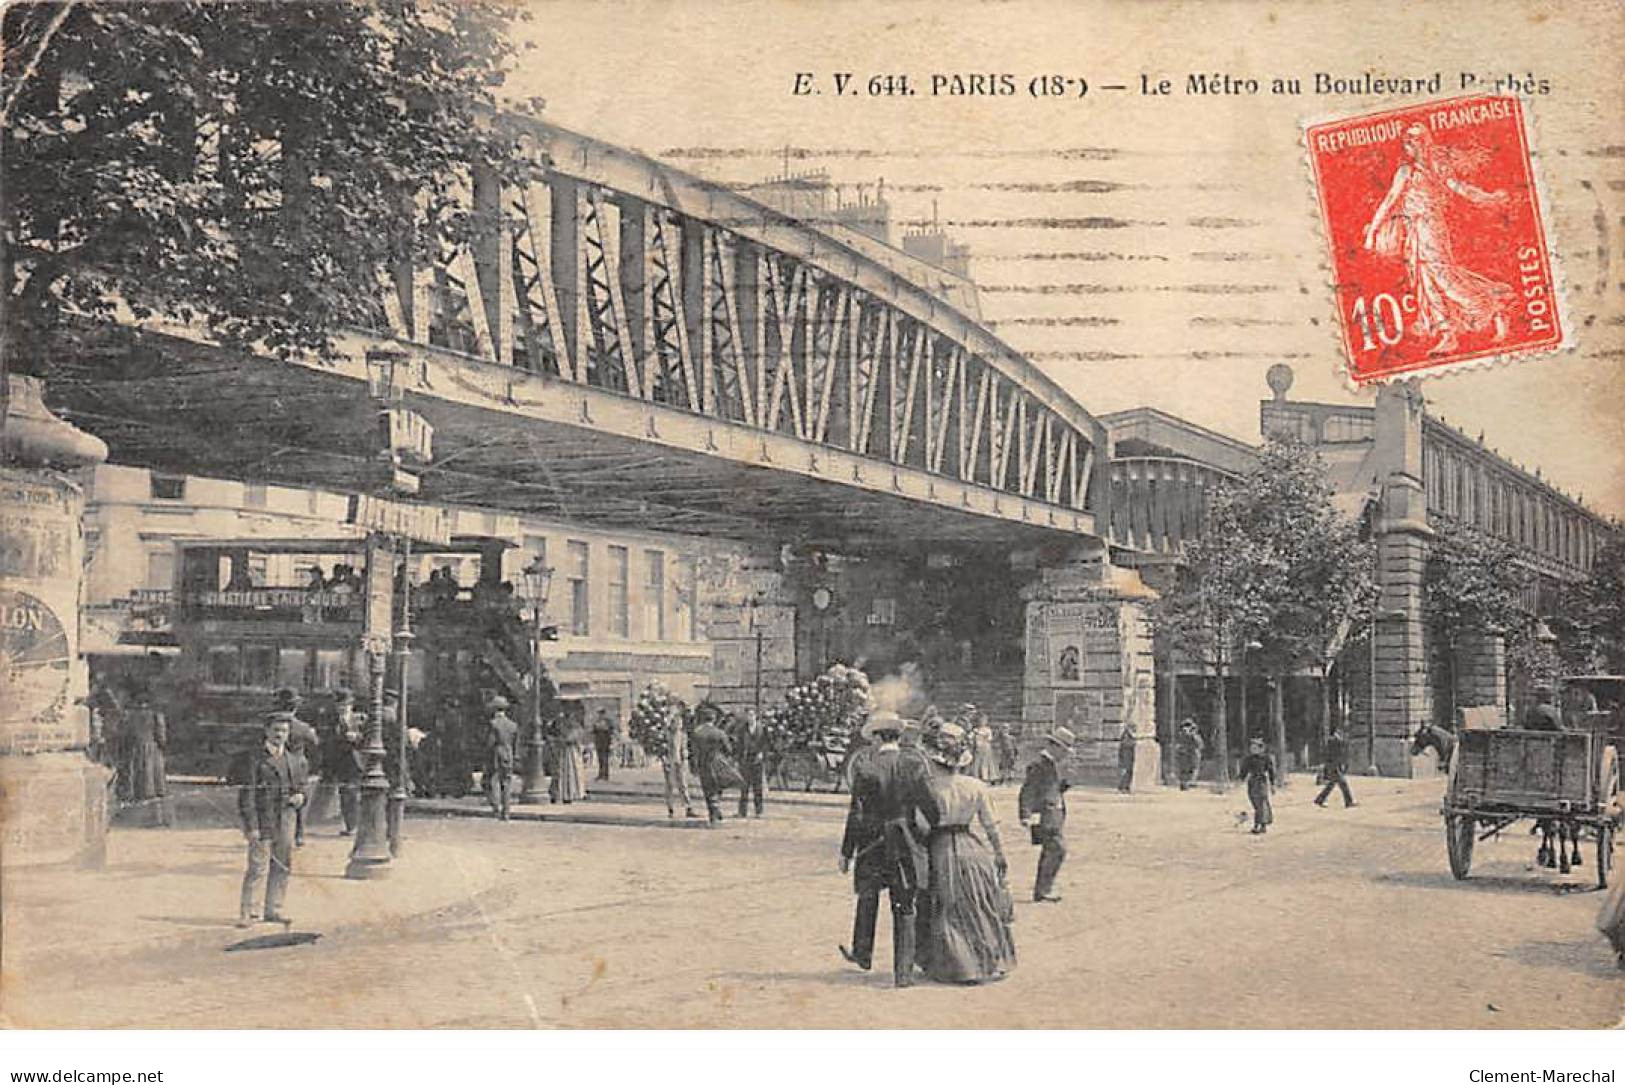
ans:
(171, 889)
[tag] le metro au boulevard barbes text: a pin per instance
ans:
(1203, 84)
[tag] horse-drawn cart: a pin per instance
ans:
(1568, 781)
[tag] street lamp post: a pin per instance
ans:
(539, 579)
(756, 628)
(403, 664)
(370, 857)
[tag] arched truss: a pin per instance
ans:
(619, 273)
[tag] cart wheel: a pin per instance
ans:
(1605, 854)
(1459, 833)
(800, 769)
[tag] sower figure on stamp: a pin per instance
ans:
(1334, 773)
(503, 732)
(271, 795)
(881, 843)
(1042, 806)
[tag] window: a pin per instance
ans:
(260, 666)
(580, 624)
(688, 597)
(654, 596)
(161, 567)
(254, 495)
(619, 618)
(258, 570)
(330, 670)
(224, 665)
(167, 487)
(291, 668)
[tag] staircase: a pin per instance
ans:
(504, 655)
(996, 693)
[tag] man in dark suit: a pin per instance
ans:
(503, 734)
(707, 743)
(881, 844)
(1334, 773)
(272, 792)
(1042, 805)
(750, 746)
(603, 738)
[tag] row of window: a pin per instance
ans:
(1505, 507)
(662, 614)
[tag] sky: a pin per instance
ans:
(1143, 249)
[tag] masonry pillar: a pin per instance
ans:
(1480, 668)
(1090, 665)
(1400, 683)
(53, 799)
(749, 616)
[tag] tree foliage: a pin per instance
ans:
(1472, 583)
(1277, 565)
(248, 166)
(1591, 625)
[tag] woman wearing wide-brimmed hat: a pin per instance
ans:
(970, 939)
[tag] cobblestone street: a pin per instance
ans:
(607, 915)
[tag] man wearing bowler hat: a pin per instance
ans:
(1042, 805)
(880, 845)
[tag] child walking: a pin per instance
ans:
(1258, 769)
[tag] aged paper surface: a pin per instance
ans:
(838, 438)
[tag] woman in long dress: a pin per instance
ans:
(569, 781)
(984, 761)
(145, 736)
(969, 938)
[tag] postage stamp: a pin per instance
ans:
(1438, 245)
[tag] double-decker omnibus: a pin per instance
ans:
(252, 616)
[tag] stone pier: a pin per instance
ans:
(749, 617)
(1090, 665)
(1403, 700)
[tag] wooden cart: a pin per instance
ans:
(1499, 777)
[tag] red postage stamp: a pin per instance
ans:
(1438, 246)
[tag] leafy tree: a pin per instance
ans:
(1591, 622)
(246, 166)
(1472, 583)
(1278, 574)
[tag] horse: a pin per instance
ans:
(1567, 836)
(1441, 741)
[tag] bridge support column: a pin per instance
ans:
(53, 799)
(1401, 696)
(750, 619)
(1090, 666)
(1480, 672)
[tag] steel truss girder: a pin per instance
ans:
(673, 309)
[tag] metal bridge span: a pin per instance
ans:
(635, 345)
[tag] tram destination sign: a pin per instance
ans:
(420, 523)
